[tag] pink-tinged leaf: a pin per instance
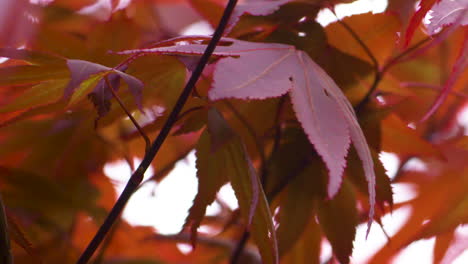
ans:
(258, 64)
(186, 45)
(458, 68)
(83, 70)
(356, 134)
(448, 12)
(248, 70)
(261, 71)
(255, 8)
(423, 7)
(322, 119)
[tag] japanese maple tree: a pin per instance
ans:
(292, 114)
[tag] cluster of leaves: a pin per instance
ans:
(274, 114)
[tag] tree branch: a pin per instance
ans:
(137, 176)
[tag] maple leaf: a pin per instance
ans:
(101, 95)
(261, 70)
(446, 13)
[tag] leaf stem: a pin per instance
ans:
(137, 176)
(135, 123)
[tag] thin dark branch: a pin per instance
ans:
(240, 247)
(137, 176)
(105, 245)
(163, 171)
(135, 123)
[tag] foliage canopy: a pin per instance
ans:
(291, 113)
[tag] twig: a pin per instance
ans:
(105, 245)
(135, 123)
(137, 176)
(165, 170)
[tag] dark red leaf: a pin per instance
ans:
(211, 177)
(423, 7)
(101, 95)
